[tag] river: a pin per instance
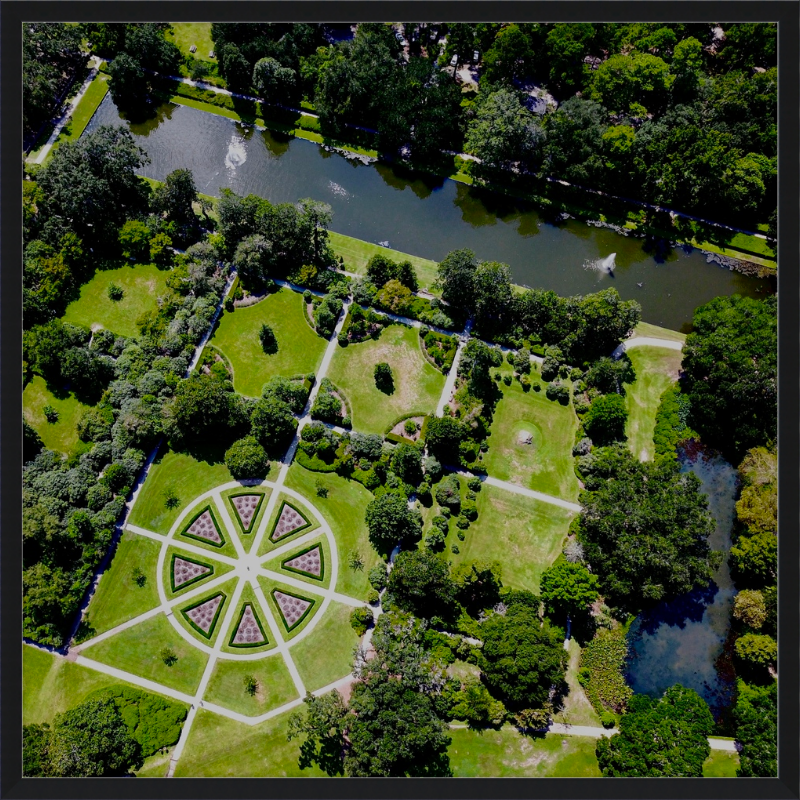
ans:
(428, 216)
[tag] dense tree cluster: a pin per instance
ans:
(756, 718)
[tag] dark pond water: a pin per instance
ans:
(679, 641)
(427, 216)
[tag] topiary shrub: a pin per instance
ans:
(410, 426)
(360, 620)
(246, 458)
(462, 522)
(507, 380)
(384, 380)
(607, 719)
(115, 292)
(469, 510)
(435, 540)
(269, 344)
(448, 493)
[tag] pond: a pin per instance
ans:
(680, 641)
(428, 216)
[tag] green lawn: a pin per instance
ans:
(508, 754)
(576, 708)
(156, 766)
(300, 350)
(656, 369)
(267, 544)
(142, 284)
(219, 569)
(275, 685)
(188, 476)
(223, 748)
(546, 465)
(84, 111)
(721, 764)
(118, 598)
(344, 510)
(61, 436)
(417, 383)
(137, 650)
(646, 329)
(326, 654)
(525, 536)
(356, 253)
(186, 34)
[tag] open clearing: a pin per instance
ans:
(141, 284)
(721, 764)
(299, 348)
(656, 369)
(417, 384)
(60, 436)
(546, 464)
(646, 329)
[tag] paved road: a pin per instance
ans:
(646, 341)
(452, 375)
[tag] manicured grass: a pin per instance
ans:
(508, 754)
(267, 543)
(546, 465)
(576, 708)
(326, 654)
(525, 536)
(656, 369)
(417, 384)
(186, 34)
(356, 253)
(344, 510)
(721, 764)
(187, 475)
(275, 685)
(61, 436)
(141, 283)
(118, 598)
(84, 111)
(156, 766)
(299, 348)
(223, 748)
(219, 568)
(646, 329)
(138, 650)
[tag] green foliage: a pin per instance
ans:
(750, 609)
(448, 493)
(558, 391)
(666, 737)
(478, 585)
(420, 583)
(756, 649)
(477, 707)
(360, 620)
(390, 520)
(168, 656)
(568, 588)
(754, 560)
(50, 414)
(671, 427)
(384, 380)
(381, 270)
(602, 671)
(406, 463)
(756, 718)
(269, 344)
(273, 423)
(246, 458)
(606, 418)
(377, 577)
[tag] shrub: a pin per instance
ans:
(435, 540)
(507, 380)
(343, 340)
(537, 387)
(355, 561)
(463, 523)
(461, 535)
(469, 510)
(384, 380)
(360, 620)
(250, 685)
(410, 426)
(322, 489)
(454, 549)
(327, 407)
(246, 458)
(448, 493)
(525, 383)
(557, 391)
(115, 292)
(441, 523)
(605, 421)
(269, 344)
(757, 649)
(474, 484)
(603, 667)
(50, 414)
(139, 578)
(168, 656)
(377, 577)
(607, 719)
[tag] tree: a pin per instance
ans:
(274, 82)
(235, 68)
(448, 493)
(756, 718)
(390, 520)
(606, 418)
(567, 44)
(147, 43)
(667, 737)
(31, 442)
(730, 369)
(756, 649)
(521, 658)
(91, 740)
(609, 375)
(443, 437)
(246, 458)
(510, 57)
(492, 293)
(127, 83)
(406, 463)
(269, 344)
(754, 560)
(749, 607)
(35, 741)
(273, 423)
(323, 725)
(687, 66)
(420, 583)
(384, 379)
(477, 707)
(568, 588)
(175, 196)
(395, 297)
(202, 405)
(293, 393)
(638, 78)
(327, 407)
(254, 258)
(134, 237)
(455, 275)
(478, 585)
(644, 528)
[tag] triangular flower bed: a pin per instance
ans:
(203, 527)
(294, 608)
(203, 616)
(245, 507)
(248, 631)
(309, 562)
(290, 520)
(185, 571)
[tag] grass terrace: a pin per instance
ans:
(646, 329)
(60, 436)
(300, 349)
(141, 284)
(417, 383)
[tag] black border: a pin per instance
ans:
(12, 14)
(321, 576)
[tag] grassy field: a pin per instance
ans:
(646, 329)
(356, 253)
(61, 436)
(186, 34)
(223, 748)
(138, 649)
(576, 708)
(417, 383)
(118, 598)
(275, 685)
(326, 654)
(142, 284)
(721, 764)
(343, 509)
(187, 475)
(299, 348)
(267, 544)
(656, 369)
(84, 111)
(545, 465)
(508, 754)
(525, 536)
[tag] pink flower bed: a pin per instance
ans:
(248, 631)
(310, 562)
(204, 528)
(246, 506)
(203, 615)
(184, 571)
(291, 607)
(290, 520)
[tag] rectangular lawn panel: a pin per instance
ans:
(417, 384)
(218, 747)
(60, 436)
(343, 509)
(326, 654)
(546, 464)
(188, 476)
(141, 284)
(138, 650)
(118, 597)
(506, 753)
(524, 535)
(656, 370)
(300, 349)
(275, 685)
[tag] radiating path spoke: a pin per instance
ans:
(321, 591)
(187, 546)
(288, 547)
(229, 524)
(153, 612)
